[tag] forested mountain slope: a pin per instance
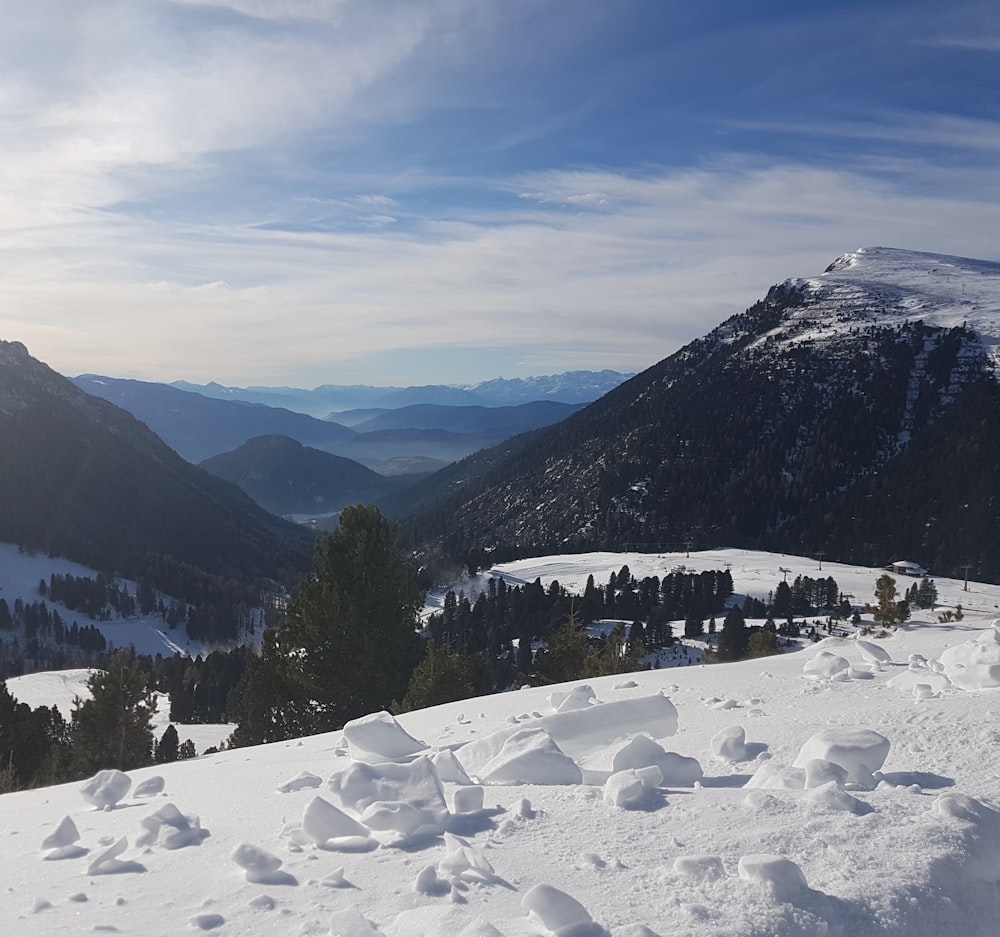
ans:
(83, 479)
(848, 413)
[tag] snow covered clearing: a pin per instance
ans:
(21, 572)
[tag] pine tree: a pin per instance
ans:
(734, 640)
(443, 676)
(113, 728)
(926, 594)
(168, 747)
(618, 655)
(888, 612)
(348, 645)
(764, 641)
(566, 653)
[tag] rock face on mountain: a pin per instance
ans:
(854, 413)
(83, 479)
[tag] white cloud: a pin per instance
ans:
(673, 255)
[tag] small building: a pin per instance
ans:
(907, 568)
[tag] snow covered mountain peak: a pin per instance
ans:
(885, 287)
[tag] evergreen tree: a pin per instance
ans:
(926, 594)
(734, 640)
(694, 626)
(764, 641)
(186, 750)
(267, 704)
(113, 728)
(348, 645)
(618, 655)
(888, 612)
(443, 676)
(168, 747)
(566, 653)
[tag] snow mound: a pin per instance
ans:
(578, 732)
(106, 788)
(530, 756)
(730, 744)
(634, 788)
(171, 829)
(640, 751)
(783, 876)
(860, 752)
(405, 798)
(975, 665)
(378, 738)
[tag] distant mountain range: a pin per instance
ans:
(854, 414)
(329, 400)
(415, 438)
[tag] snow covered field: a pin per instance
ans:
(668, 802)
(148, 634)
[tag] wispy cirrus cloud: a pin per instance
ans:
(292, 190)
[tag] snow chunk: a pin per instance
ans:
(730, 744)
(634, 788)
(783, 876)
(579, 732)
(150, 787)
(975, 665)
(379, 738)
(394, 796)
(827, 666)
(463, 862)
(860, 752)
(831, 796)
(65, 834)
(640, 752)
(260, 866)
(322, 821)
(449, 768)
(108, 863)
(819, 772)
(775, 776)
(304, 780)
(872, 653)
(530, 756)
(468, 799)
(106, 788)
(579, 697)
(704, 868)
(560, 913)
(173, 829)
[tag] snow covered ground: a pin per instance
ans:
(849, 788)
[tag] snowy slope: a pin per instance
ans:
(918, 854)
(886, 286)
(19, 578)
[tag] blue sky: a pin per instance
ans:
(442, 191)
